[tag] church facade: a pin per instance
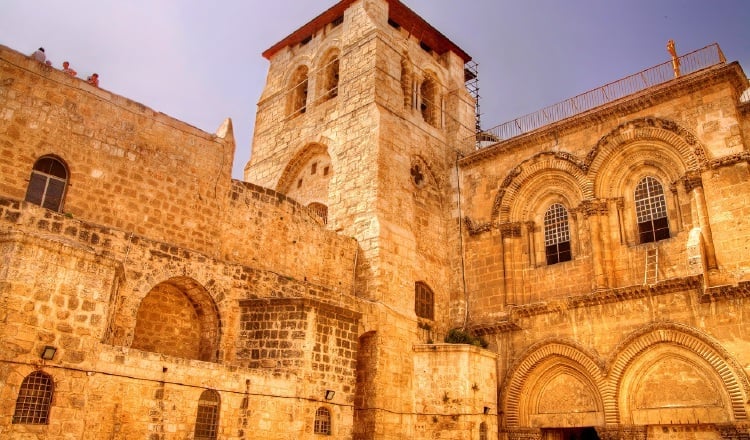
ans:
(384, 270)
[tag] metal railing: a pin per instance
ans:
(708, 56)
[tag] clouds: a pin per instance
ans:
(201, 61)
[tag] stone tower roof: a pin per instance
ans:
(397, 12)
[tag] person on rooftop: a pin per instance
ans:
(93, 79)
(39, 55)
(69, 70)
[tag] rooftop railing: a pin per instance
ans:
(708, 56)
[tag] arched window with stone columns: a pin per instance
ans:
(556, 234)
(651, 211)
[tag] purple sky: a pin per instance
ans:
(200, 61)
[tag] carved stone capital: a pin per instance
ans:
(510, 230)
(593, 207)
(692, 180)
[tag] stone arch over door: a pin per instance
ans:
(178, 318)
(558, 385)
(697, 380)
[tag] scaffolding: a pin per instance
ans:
(471, 79)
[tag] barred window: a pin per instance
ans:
(651, 211)
(47, 184)
(557, 234)
(207, 418)
(34, 399)
(323, 421)
(483, 431)
(424, 301)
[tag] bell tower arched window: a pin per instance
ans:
(298, 91)
(557, 234)
(331, 77)
(47, 184)
(651, 211)
(428, 105)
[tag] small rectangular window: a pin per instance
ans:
(305, 40)
(337, 21)
(394, 24)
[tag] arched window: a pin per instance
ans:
(556, 234)
(34, 399)
(207, 418)
(424, 301)
(298, 91)
(47, 184)
(429, 100)
(483, 431)
(651, 211)
(322, 421)
(331, 77)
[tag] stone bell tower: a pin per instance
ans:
(362, 117)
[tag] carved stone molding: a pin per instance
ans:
(524, 434)
(692, 180)
(593, 207)
(734, 431)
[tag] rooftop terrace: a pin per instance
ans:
(700, 59)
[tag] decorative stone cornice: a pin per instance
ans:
(477, 228)
(593, 207)
(729, 160)
(503, 326)
(726, 292)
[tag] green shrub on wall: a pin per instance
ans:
(459, 336)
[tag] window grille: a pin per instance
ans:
(34, 399)
(424, 301)
(207, 418)
(557, 234)
(47, 184)
(322, 421)
(651, 211)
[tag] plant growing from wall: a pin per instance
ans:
(460, 336)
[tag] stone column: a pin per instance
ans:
(530, 230)
(694, 184)
(590, 211)
(510, 233)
